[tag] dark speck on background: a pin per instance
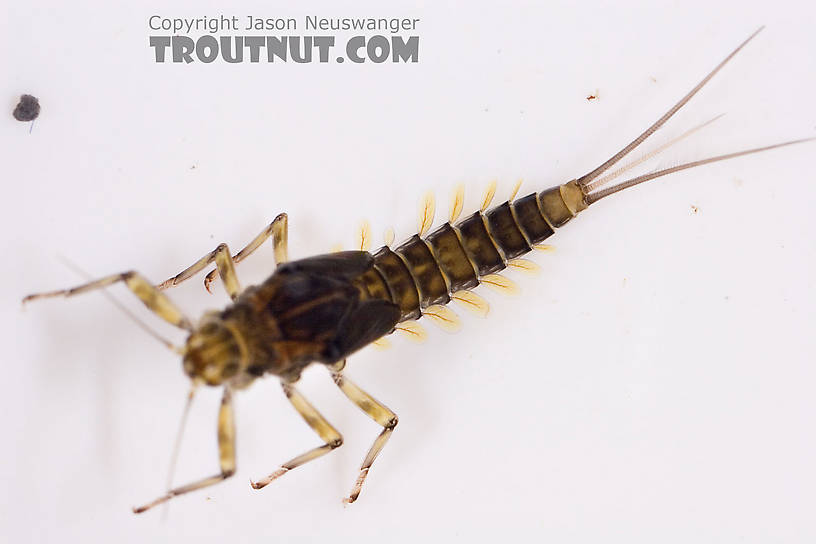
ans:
(27, 109)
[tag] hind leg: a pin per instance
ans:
(376, 411)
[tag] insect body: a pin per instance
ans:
(322, 309)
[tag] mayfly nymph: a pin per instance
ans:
(322, 309)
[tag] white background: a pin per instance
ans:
(654, 383)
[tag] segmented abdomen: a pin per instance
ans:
(423, 272)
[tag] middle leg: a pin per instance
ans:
(317, 422)
(277, 229)
(224, 262)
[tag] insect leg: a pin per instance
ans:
(278, 230)
(154, 299)
(317, 422)
(376, 411)
(224, 262)
(226, 455)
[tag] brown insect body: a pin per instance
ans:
(324, 308)
(424, 272)
(308, 311)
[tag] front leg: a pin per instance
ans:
(156, 301)
(226, 456)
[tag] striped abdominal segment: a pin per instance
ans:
(428, 271)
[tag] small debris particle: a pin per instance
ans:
(27, 109)
(192, 167)
(654, 79)
(694, 209)
(594, 96)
